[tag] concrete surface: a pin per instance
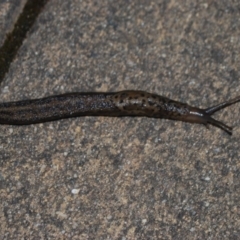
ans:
(9, 12)
(125, 178)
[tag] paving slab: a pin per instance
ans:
(9, 12)
(125, 178)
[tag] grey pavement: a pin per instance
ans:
(124, 178)
(9, 12)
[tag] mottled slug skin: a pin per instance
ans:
(125, 103)
(139, 103)
(55, 107)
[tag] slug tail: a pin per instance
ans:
(220, 106)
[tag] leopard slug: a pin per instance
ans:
(124, 103)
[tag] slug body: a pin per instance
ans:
(125, 103)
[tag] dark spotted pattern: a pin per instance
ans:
(125, 103)
(140, 103)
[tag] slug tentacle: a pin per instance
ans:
(209, 111)
(221, 125)
(124, 103)
(206, 114)
(220, 106)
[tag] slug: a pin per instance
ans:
(124, 103)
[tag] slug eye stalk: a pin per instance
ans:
(219, 124)
(209, 111)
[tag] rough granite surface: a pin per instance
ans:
(9, 12)
(125, 178)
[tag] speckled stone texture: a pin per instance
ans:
(125, 178)
(9, 12)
